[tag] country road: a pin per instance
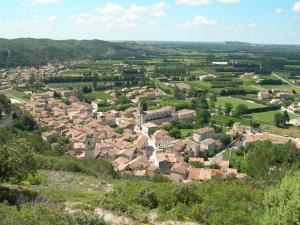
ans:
(285, 81)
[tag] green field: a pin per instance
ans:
(236, 101)
(16, 94)
(267, 117)
(98, 95)
(186, 132)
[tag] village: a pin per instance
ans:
(134, 140)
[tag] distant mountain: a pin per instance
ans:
(36, 52)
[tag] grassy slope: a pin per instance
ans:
(236, 101)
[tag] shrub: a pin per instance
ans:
(147, 198)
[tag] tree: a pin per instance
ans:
(175, 132)
(24, 121)
(228, 108)
(202, 118)
(286, 117)
(279, 120)
(240, 110)
(282, 204)
(225, 139)
(144, 105)
(200, 103)
(5, 105)
(16, 159)
(178, 94)
(255, 124)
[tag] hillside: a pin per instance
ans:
(36, 52)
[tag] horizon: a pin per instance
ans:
(154, 41)
(208, 21)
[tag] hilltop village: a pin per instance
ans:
(136, 140)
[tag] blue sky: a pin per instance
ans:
(258, 21)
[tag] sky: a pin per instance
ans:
(255, 21)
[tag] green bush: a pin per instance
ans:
(147, 198)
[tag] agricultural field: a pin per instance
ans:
(98, 95)
(236, 101)
(267, 117)
(16, 94)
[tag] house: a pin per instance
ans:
(275, 102)
(241, 129)
(202, 174)
(149, 127)
(161, 139)
(199, 174)
(139, 163)
(263, 95)
(204, 133)
(179, 172)
(164, 161)
(47, 136)
(186, 114)
(284, 95)
(210, 145)
(253, 138)
(157, 116)
(127, 154)
(69, 93)
(208, 77)
(192, 148)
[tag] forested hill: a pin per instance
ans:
(36, 52)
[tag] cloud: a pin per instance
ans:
(157, 9)
(110, 8)
(200, 21)
(247, 27)
(296, 7)
(43, 1)
(51, 18)
(124, 21)
(229, 1)
(115, 15)
(278, 10)
(194, 2)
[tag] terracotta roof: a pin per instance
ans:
(180, 168)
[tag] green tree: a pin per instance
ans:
(225, 139)
(241, 109)
(282, 204)
(175, 132)
(202, 118)
(286, 117)
(16, 159)
(144, 105)
(228, 108)
(279, 120)
(5, 105)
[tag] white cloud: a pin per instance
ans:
(278, 11)
(157, 9)
(51, 18)
(229, 1)
(200, 21)
(135, 9)
(124, 21)
(43, 1)
(247, 27)
(114, 15)
(194, 2)
(296, 7)
(110, 8)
